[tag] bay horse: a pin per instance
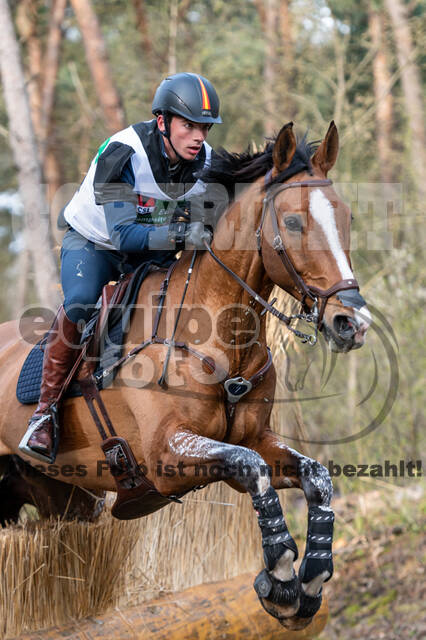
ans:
(287, 227)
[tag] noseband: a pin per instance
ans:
(314, 314)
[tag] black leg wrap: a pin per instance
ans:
(284, 593)
(309, 605)
(276, 538)
(318, 555)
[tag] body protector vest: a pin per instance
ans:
(85, 212)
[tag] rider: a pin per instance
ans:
(141, 178)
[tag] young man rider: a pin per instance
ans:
(119, 218)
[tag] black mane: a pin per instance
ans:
(229, 169)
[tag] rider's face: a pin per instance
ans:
(187, 137)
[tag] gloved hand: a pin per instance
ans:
(195, 235)
(158, 238)
(180, 214)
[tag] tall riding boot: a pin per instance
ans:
(61, 350)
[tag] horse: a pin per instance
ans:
(210, 421)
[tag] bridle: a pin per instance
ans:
(314, 314)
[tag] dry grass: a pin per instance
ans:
(212, 536)
(54, 572)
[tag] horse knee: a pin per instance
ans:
(316, 482)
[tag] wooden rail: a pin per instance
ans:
(228, 609)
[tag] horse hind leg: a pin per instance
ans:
(51, 497)
(13, 494)
(277, 585)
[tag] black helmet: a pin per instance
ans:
(188, 95)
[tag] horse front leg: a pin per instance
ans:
(277, 585)
(292, 469)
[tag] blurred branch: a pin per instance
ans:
(89, 112)
(312, 105)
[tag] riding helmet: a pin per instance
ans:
(188, 95)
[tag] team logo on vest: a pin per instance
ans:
(151, 211)
(145, 204)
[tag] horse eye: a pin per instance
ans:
(293, 223)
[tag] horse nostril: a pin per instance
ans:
(344, 326)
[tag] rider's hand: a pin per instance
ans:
(196, 234)
(159, 239)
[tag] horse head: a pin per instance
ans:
(304, 240)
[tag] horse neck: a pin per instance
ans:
(235, 245)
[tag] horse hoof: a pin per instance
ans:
(294, 623)
(309, 605)
(283, 613)
(279, 599)
(276, 591)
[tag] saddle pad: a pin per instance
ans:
(29, 382)
(28, 387)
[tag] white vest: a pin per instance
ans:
(88, 218)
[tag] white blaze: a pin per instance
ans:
(323, 213)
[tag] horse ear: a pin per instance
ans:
(326, 154)
(284, 147)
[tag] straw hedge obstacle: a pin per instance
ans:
(54, 573)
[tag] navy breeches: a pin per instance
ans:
(85, 269)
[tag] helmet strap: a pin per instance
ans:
(166, 134)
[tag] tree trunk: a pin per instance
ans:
(51, 65)
(26, 22)
(284, 102)
(97, 59)
(24, 148)
(143, 28)
(268, 14)
(340, 56)
(43, 70)
(383, 95)
(411, 85)
(173, 28)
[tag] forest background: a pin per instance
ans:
(91, 67)
(74, 72)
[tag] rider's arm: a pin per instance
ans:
(129, 236)
(119, 202)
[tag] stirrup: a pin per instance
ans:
(23, 445)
